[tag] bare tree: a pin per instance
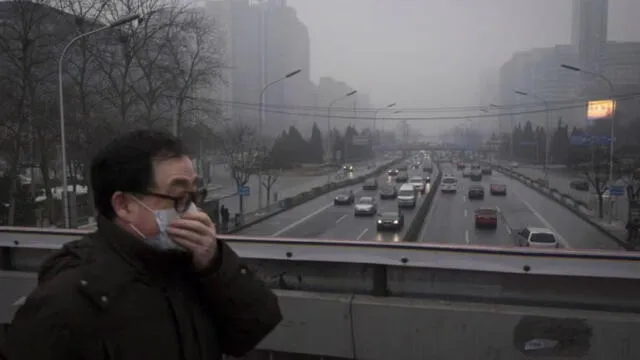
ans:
(239, 146)
(597, 174)
(195, 61)
(27, 36)
(269, 170)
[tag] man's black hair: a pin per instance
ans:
(126, 164)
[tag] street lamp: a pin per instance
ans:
(261, 120)
(512, 125)
(329, 120)
(548, 113)
(63, 139)
(613, 111)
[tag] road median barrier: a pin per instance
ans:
(415, 227)
(305, 196)
(578, 207)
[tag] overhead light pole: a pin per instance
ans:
(63, 137)
(329, 147)
(261, 131)
(548, 126)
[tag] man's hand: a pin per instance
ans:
(197, 233)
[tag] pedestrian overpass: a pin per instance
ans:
(388, 301)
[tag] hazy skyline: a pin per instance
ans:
(436, 52)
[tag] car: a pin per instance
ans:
(427, 169)
(476, 175)
(388, 192)
(366, 205)
(537, 237)
(346, 198)
(370, 184)
(392, 172)
(427, 179)
(498, 189)
(486, 217)
(403, 167)
(461, 166)
(580, 185)
(475, 192)
(348, 168)
(449, 184)
(466, 172)
(402, 177)
(418, 183)
(486, 170)
(407, 196)
(475, 167)
(392, 220)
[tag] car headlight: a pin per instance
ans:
(395, 221)
(379, 221)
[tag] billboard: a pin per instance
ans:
(600, 109)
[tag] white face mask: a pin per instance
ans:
(164, 217)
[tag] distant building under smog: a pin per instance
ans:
(538, 71)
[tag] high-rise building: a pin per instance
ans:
(266, 41)
(589, 31)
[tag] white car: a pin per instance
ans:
(466, 172)
(537, 237)
(366, 205)
(449, 184)
(418, 183)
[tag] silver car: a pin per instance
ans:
(366, 206)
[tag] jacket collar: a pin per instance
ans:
(137, 253)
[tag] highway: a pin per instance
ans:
(320, 218)
(451, 217)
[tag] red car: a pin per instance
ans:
(498, 189)
(486, 217)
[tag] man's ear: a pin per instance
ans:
(123, 206)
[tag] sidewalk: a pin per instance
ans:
(560, 180)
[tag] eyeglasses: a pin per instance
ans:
(181, 204)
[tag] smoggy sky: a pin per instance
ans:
(437, 52)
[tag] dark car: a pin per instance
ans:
(476, 175)
(388, 192)
(403, 167)
(580, 185)
(390, 221)
(476, 192)
(402, 177)
(461, 166)
(392, 172)
(346, 198)
(486, 170)
(370, 184)
(427, 169)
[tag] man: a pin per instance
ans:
(152, 282)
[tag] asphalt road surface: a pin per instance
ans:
(321, 219)
(451, 217)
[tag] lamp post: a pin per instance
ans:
(63, 137)
(261, 120)
(329, 150)
(613, 111)
(548, 126)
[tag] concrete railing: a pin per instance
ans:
(381, 301)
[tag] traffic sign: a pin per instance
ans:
(590, 140)
(616, 190)
(244, 191)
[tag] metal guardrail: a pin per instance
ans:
(338, 297)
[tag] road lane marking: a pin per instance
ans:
(561, 239)
(466, 236)
(362, 233)
(341, 218)
(464, 198)
(300, 221)
(465, 212)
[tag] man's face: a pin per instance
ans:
(175, 180)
